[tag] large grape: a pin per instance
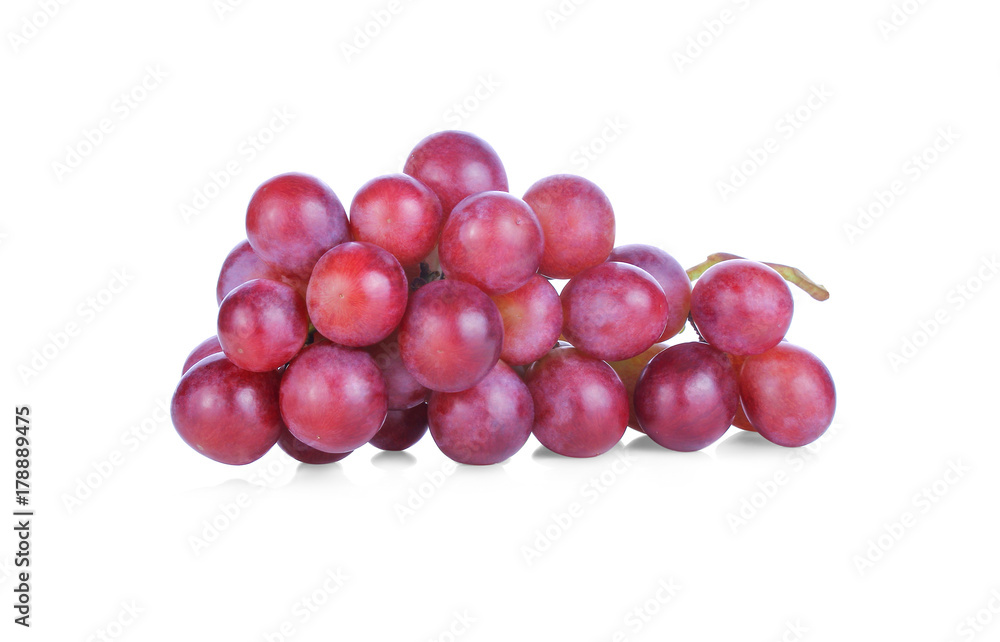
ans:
(456, 165)
(581, 408)
(741, 307)
(485, 424)
(577, 222)
(451, 336)
(613, 311)
(292, 220)
(399, 214)
(262, 325)
(687, 396)
(226, 413)
(357, 294)
(493, 241)
(333, 398)
(788, 395)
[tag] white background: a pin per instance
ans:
(848, 547)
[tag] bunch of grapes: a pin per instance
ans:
(432, 307)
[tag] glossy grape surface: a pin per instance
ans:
(226, 413)
(207, 347)
(581, 408)
(485, 424)
(788, 395)
(687, 396)
(671, 276)
(532, 321)
(399, 214)
(402, 428)
(262, 325)
(455, 165)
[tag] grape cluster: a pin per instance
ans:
(432, 306)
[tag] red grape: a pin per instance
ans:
(613, 311)
(451, 336)
(532, 321)
(485, 424)
(402, 428)
(292, 220)
(207, 347)
(306, 454)
(493, 241)
(455, 165)
(357, 294)
(262, 325)
(788, 395)
(628, 371)
(226, 413)
(402, 390)
(577, 221)
(671, 276)
(333, 398)
(581, 409)
(687, 396)
(399, 214)
(741, 307)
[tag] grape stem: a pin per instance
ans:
(793, 275)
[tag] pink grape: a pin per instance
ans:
(292, 220)
(402, 390)
(687, 396)
(493, 241)
(357, 294)
(333, 398)
(226, 413)
(532, 321)
(741, 307)
(402, 428)
(485, 424)
(581, 409)
(788, 395)
(262, 325)
(399, 214)
(242, 265)
(451, 336)
(613, 311)
(306, 454)
(671, 276)
(207, 347)
(455, 165)
(577, 221)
